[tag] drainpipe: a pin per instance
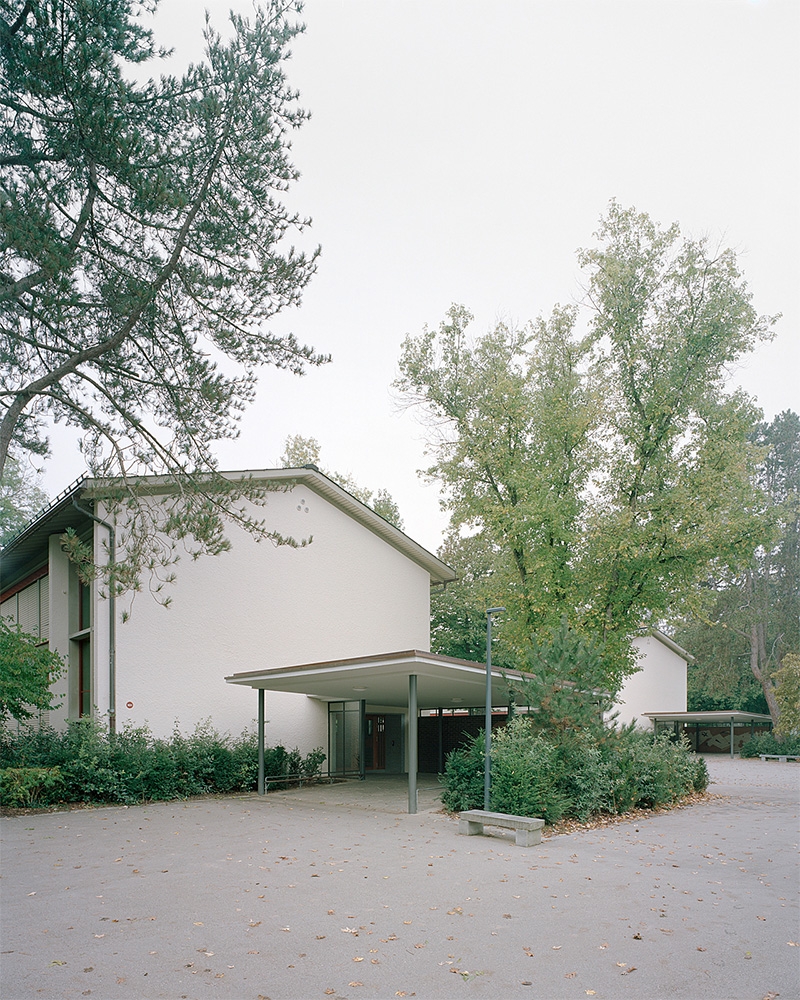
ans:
(112, 616)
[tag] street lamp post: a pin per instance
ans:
(487, 771)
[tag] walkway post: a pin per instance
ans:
(261, 741)
(487, 768)
(413, 744)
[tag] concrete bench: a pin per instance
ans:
(783, 757)
(528, 828)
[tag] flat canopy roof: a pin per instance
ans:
(710, 718)
(442, 681)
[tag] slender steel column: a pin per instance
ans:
(441, 742)
(731, 736)
(362, 740)
(487, 753)
(413, 743)
(261, 741)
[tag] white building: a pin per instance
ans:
(335, 632)
(359, 587)
(661, 681)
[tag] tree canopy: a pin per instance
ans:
(609, 468)
(145, 247)
(21, 498)
(745, 619)
(27, 672)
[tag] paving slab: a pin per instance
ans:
(335, 891)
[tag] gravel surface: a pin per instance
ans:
(335, 891)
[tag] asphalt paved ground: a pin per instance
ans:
(334, 891)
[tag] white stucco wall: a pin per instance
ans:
(660, 685)
(58, 586)
(348, 593)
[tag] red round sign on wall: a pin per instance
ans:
(128, 704)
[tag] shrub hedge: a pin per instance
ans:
(770, 743)
(40, 766)
(576, 774)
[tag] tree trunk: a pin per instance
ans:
(758, 666)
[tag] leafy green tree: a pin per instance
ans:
(21, 498)
(145, 248)
(299, 451)
(607, 469)
(511, 418)
(787, 695)
(27, 671)
(746, 619)
(458, 611)
(674, 492)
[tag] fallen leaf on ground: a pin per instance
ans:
(570, 975)
(627, 972)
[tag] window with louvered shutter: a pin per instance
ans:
(29, 609)
(44, 608)
(8, 609)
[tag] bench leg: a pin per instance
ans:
(469, 827)
(528, 838)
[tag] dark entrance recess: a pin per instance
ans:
(375, 742)
(440, 734)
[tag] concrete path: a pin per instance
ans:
(334, 891)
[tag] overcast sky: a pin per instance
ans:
(462, 151)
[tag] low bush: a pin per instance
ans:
(25, 786)
(770, 743)
(40, 766)
(575, 774)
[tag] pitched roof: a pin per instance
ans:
(31, 543)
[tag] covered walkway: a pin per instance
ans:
(691, 723)
(410, 681)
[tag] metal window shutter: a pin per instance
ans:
(29, 609)
(8, 609)
(44, 608)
